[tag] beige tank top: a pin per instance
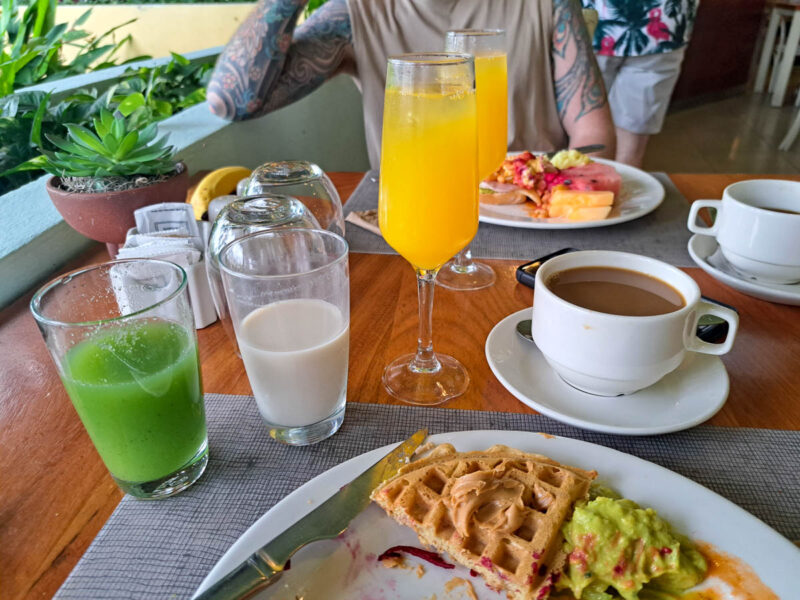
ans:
(385, 27)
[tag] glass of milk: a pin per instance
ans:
(237, 219)
(289, 297)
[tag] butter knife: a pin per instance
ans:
(581, 149)
(327, 521)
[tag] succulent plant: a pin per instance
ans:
(115, 149)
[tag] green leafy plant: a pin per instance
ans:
(31, 46)
(145, 95)
(24, 117)
(72, 2)
(16, 126)
(313, 5)
(116, 148)
(154, 93)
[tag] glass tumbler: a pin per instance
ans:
(123, 339)
(239, 218)
(289, 297)
(304, 181)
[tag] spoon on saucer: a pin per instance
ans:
(524, 329)
(710, 329)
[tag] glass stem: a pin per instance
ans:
(425, 360)
(464, 258)
(462, 263)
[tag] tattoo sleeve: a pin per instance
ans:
(268, 64)
(578, 86)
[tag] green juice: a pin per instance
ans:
(137, 390)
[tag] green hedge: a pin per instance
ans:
(29, 119)
(71, 2)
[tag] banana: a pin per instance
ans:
(219, 182)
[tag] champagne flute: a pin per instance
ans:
(428, 208)
(488, 46)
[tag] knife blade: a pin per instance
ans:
(327, 521)
(581, 149)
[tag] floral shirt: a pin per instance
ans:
(639, 27)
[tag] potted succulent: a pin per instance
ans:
(99, 178)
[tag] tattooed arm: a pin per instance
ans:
(268, 64)
(580, 94)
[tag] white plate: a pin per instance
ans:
(641, 194)
(689, 395)
(347, 569)
(703, 250)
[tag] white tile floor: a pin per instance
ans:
(734, 135)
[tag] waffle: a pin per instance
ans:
(497, 511)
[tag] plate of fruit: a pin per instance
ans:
(568, 191)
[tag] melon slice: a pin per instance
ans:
(594, 176)
(597, 213)
(580, 205)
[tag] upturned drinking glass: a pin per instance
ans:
(123, 338)
(239, 218)
(488, 46)
(429, 113)
(304, 181)
(289, 297)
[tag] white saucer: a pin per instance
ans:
(691, 394)
(704, 251)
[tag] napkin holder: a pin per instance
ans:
(197, 282)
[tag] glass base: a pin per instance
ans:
(308, 434)
(427, 387)
(474, 276)
(170, 485)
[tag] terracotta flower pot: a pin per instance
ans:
(107, 216)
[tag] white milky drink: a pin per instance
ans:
(295, 354)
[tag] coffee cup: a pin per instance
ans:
(757, 226)
(613, 354)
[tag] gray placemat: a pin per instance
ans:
(662, 234)
(164, 549)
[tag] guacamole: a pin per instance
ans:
(615, 544)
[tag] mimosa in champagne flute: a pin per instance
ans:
(428, 198)
(488, 46)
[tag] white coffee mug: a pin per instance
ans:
(759, 242)
(610, 355)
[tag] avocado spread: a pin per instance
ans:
(615, 549)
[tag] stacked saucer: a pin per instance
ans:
(705, 251)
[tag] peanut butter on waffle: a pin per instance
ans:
(497, 511)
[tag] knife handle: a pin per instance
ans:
(248, 578)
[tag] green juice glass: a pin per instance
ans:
(123, 339)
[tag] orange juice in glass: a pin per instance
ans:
(491, 85)
(428, 195)
(428, 207)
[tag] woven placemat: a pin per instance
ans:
(662, 234)
(164, 549)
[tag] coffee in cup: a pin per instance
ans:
(757, 227)
(612, 323)
(615, 291)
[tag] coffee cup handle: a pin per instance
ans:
(695, 344)
(695, 207)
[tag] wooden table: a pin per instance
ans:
(55, 493)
